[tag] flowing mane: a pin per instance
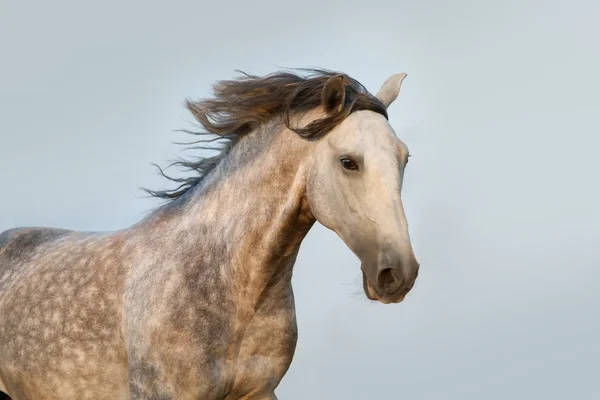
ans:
(241, 105)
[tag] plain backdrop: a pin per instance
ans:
(500, 111)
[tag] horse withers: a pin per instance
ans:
(195, 301)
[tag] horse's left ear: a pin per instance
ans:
(390, 89)
(333, 94)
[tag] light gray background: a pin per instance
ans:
(500, 111)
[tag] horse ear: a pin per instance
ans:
(333, 94)
(390, 89)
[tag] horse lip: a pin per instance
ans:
(386, 298)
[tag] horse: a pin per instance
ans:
(194, 300)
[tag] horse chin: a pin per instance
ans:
(369, 290)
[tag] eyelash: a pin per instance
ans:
(351, 165)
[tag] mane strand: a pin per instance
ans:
(241, 105)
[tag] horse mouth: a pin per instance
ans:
(386, 298)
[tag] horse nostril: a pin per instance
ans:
(386, 279)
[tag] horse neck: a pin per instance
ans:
(248, 218)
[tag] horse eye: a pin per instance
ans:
(348, 164)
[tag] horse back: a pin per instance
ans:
(19, 245)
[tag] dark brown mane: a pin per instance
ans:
(240, 106)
